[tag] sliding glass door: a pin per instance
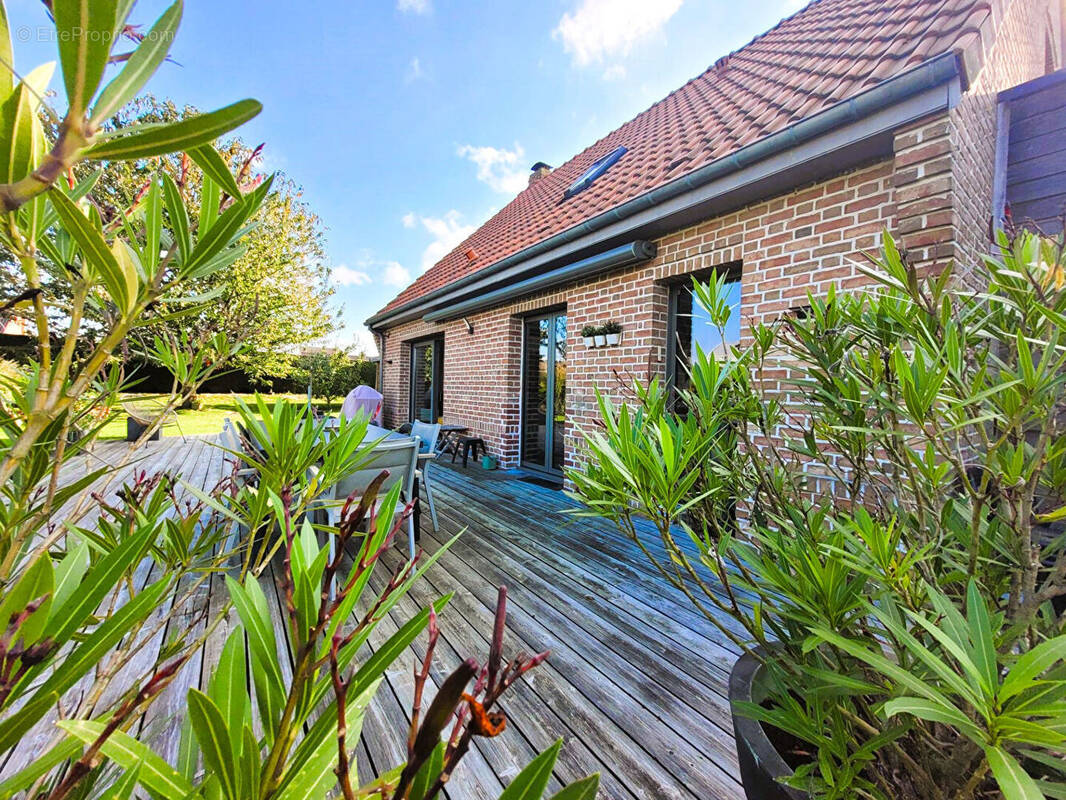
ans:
(544, 392)
(427, 381)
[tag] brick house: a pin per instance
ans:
(779, 164)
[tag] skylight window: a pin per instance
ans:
(596, 170)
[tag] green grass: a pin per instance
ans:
(205, 420)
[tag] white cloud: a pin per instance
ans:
(501, 169)
(409, 219)
(414, 71)
(447, 231)
(395, 274)
(599, 29)
(615, 72)
(413, 6)
(346, 276)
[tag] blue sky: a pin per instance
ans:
(409, 122)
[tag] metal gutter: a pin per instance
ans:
(624, 256)
(926, 76)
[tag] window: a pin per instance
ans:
(690, 326)
(427, 380)
(596, 170)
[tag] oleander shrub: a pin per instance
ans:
(885, 521)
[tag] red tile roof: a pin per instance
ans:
(827, 52)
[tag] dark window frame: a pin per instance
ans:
(675, 286)
(437, 401)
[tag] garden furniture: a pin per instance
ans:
(428, 434)
(140, 417)
(399, 456)
(467, 446)
(448, 435)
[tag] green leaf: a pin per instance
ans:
(123, 788)
(140, 66)
(20, 131)
(85, 30)
(530, 783)
(223, 232)
(84, 657)
(1014, 782)
(43, 764)
(428, 774)
(131, 269)
(100, 580)
(93, 247)
(315, 776)
(229, 687)
(184, 135)
(269, 686)
(984, 648)
(179, 216)
(7, 58)
(156, 775)
(584, 789)
(69, 573)
(213, 736)
(206, 157)
(933, 711)
(1031, 665)
(35, 582)
(210, 197)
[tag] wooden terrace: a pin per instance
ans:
(636, 681)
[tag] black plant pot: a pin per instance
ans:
(760, 764)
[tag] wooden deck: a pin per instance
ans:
(636, 681)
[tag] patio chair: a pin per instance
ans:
(142, 414)
(365, 399)
(400, 458)
(429, 435)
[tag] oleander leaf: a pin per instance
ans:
(188, 133)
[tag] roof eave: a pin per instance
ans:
(875, 104)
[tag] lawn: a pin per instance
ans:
(205, 420)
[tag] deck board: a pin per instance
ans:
(636, 683)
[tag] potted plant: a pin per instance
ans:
(612, 332)
(588, 334)
(600, 337)
(889, 559)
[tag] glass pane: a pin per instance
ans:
(693, 327)
(535, 392)
(559, 395)
(422, 382)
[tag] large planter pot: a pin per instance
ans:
(760, 764)
(612, 338)
(601, 341)
(589, 340)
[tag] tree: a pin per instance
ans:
(277, 294)
(333, 375)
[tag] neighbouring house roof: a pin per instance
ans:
(828, 52)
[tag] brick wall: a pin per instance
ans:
(1009, 51)
(803, 241)
(934, 194)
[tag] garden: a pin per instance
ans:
(108, 279)
(865, 499)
